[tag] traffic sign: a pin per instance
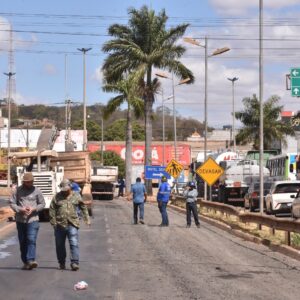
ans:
(210, 171)
(156, 172)
(295, 82)
(174, 168)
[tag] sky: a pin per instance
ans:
(49, 68)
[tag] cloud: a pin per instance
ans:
(97, 75)
(238, 7)
(50, 69)
(4, 34)
(18, 41)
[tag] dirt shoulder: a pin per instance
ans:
(5, 213)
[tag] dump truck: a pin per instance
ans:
(104, 180)
(46, 177)
(77, 167)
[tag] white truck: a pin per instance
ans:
(46, 178)
(104, 180)
(234, 183)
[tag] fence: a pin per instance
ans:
(272, 222)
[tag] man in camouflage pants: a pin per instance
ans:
(64, 219)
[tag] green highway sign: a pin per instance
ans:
(295, 82)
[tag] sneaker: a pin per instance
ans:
(26, 267)
(142, 221)
(198, 226)
(74, 267)
(33, 264)
(188, 226)
(62, 266)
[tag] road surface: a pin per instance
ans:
(120, 260)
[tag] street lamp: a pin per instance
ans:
(84, 50)
(216, 52)
(102, 137)
(261, 114)
(183, 81)
(163, 121)
(10, 74)
(233, 113)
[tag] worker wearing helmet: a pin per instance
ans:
(190, 195)
(163, 196)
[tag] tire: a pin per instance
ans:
(269, 209)
(251, 208)
(44, 216)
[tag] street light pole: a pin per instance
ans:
(174, 119)
(84, 50)
(261, 114)
(102, 160)
(205, 109)
(233, 112)
(10, 74)
(163, 124)
(183, 81)
(216, 52)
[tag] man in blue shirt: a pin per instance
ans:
(139, 196)
(163, 196)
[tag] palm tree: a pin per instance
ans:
(145, 43)
(274, 129)
(128, 91)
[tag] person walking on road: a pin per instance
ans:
(65, 221)
(163, 196)
(190, 194)
(121, 183)
(27, 201)
(139, 197)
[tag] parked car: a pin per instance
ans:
(181, 187)
(279, 198)
(296, 206)
(252, 198)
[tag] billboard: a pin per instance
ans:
(76, 137)
(138, 153)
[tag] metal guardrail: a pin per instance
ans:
(246, 217)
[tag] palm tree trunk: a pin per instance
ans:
(148, 131)
(128, 154)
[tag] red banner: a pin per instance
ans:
(138, 153)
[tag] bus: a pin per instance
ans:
(254, 155)
(283, 167)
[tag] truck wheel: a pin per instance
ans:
(251, 208)
(44, 216)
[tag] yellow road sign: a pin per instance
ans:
(174, 168)
(210, 171)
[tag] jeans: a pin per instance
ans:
(136, 207)
(191, 207)
(61, 234)
(163, 210)
(27, 234)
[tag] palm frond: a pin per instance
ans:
(112, 105)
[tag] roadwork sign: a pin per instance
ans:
(156, 172)
(174, 168)
(295, 82)
(210, 171)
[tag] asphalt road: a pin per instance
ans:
(4, 201)
(120, 260)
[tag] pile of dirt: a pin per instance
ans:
(5, 213)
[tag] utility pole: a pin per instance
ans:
(10, 74)
(261, 115)
(84, 51)
(102, 137)
(233, 113)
